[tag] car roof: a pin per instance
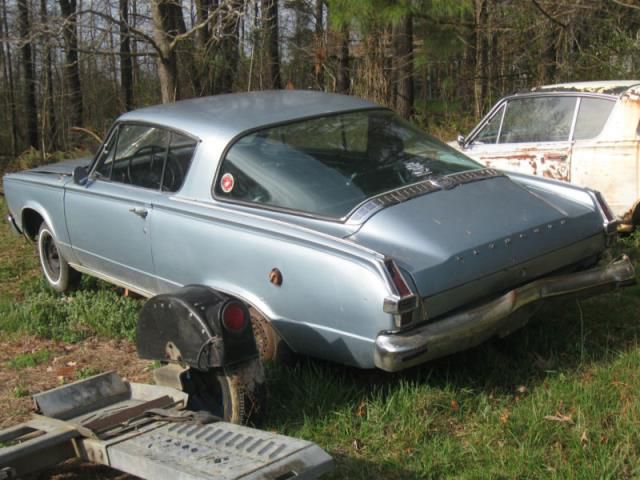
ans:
(611, 87)
(225, 116)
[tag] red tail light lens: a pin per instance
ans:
(234, 318)
(397, 279)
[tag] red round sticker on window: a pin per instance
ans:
(227, 182)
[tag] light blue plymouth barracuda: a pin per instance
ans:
(351, 234)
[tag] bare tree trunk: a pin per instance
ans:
(30, 109)
(167, 62)
(112, 63)
(202, 81)
(9, 75)
(49, 134)
(256, 36)
(203, 35)
(126, 60)
(342, 78)
(229, 47)
(480, 77)
(71, 65)
(270, 27)
(135, 75)
(492, 52)
(320, 47)
(403, 65)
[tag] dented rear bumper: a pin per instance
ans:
(468, 328)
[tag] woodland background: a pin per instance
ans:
(443, 63)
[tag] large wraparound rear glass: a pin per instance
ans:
(327, 166)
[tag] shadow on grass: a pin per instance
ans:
(323, 401)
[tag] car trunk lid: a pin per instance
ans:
(449, 238)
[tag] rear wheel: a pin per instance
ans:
(234, 394)
(271, 346)
(57, 272)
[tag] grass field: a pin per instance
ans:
(557, 399)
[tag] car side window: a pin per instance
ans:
(592, 115)
(105, 161)
(538, 119)
(146, 156)
(489, 134)
(140, 154)
(178, 161)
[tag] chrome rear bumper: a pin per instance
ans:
(466, 329)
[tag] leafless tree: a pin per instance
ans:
(72, 65)
(271, 42)
(126, 60)
(28, 68)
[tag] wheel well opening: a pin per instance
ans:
(271, 344)
(31, 221)
(258, 315)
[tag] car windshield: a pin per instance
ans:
(327, 166)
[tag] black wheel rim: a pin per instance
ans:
(51, 256)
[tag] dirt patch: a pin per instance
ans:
(65, 363)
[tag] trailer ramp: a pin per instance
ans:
(145, 430)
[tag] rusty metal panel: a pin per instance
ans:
(546, 160)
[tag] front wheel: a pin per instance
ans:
(57, 272)
(234, 394)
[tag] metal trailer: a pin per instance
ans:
(146, 431)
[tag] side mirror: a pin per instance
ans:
(80, 175)
(461, 140)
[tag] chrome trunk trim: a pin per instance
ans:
(429, 185)
(466, 329)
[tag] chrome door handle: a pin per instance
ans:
(141, 212)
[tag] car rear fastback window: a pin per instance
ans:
(329, 165)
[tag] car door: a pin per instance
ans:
(529, 134)
(108, 218)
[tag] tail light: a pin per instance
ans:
(404, 303)
(398, 280)
(234, 317)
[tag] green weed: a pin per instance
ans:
(32, 359)
(84, 313)
(20, 391)
(87, 372)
